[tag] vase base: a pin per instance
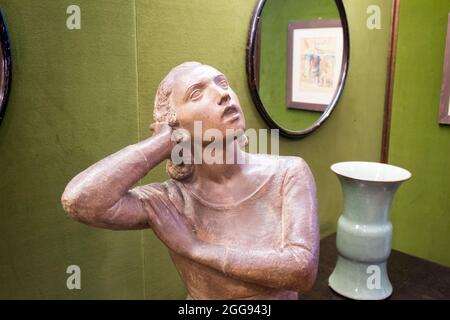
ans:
(360, 281)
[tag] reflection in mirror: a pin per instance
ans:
(297, 61)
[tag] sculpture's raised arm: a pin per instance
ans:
(101, 195)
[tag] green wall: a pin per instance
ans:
(80, 95)
(73, 100)
(421, 212)
(273, 57)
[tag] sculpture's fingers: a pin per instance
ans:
(158, 127)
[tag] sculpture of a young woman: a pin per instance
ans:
(245, 230)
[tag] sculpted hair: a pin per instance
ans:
(164, 112)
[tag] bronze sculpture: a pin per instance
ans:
(247, 230)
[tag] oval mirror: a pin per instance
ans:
(297, 62)
(5, 66)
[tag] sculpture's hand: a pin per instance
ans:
(172, 135)
(173, 229)
(166, 132)
(160, 128)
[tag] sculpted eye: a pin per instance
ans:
(195, 94)
(223, 83)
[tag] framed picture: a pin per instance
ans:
(444, 110)
(315, 51)
(5, 66)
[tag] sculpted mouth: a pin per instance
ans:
(231, 112)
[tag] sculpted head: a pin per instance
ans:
(194, 92)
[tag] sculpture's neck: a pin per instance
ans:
(230, 183)
(221, 164)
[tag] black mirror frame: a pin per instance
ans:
(6, 62)
(250, 60)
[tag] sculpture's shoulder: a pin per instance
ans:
(285, 164)
(298, 172)
(294, 162)
(168, 191)
(159, 188)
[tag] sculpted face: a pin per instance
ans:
(204, 94)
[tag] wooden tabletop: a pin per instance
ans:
(412, 278)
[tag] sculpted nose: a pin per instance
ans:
(224, 97)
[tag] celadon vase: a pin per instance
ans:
(364, 231)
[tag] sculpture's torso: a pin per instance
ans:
(251, 223)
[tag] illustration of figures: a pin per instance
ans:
(315, 67)
(325, 73)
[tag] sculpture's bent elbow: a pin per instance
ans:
(304, 273)
(80, 203)
(70, 201)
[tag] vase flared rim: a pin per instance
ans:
(371, 171)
